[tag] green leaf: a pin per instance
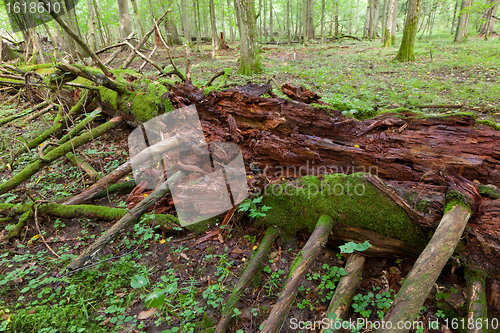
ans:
(138, 281)
(352, 247)
(155, 299)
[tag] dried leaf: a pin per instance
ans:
(146, 314)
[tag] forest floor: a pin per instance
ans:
(197, 276)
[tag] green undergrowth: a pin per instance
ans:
(349, 199)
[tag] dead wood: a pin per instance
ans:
(131, 217)
(143, 40)
(280, 133)
(38, 164)
(300, 94)
(8, 119)
(209, 83)
(346, 288)
(438, 251)
(126, 168)
(300, 267)
(82, 165)
(253, 265)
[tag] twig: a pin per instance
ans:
(40, 233)
(150, 55)
(158, 67)
(209, 83)
(110, 47)
(176, 70)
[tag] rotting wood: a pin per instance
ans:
(345, 290)
(253, 265)
(298, 270)
(283, 136)
(131, 217)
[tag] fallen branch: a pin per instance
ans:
(298, 270)
(131, 217)
(150, 55)
(476, 296)
(143, 40)
(429, 265)
(23, 113)
(125, 168)
(110, 47)
(37, 165)
(209, 83)
(252, 267)
(345, 290)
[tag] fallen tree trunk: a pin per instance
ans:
(476, 295)
(37, 165)
(291, 139)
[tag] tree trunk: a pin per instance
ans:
(366, 29)
(249, 51)
(305, 37)
(374, 18)
(394, 22)
(215, 39)
(419, 282)
(310, 22)
(388, 27)
(463, 23)
(125, 28)
(137, 17)
(406, 50)
(289, 35)
(185, 23)
(230, 16)
(322, 20)
(384, 21)
(453, 22)
(92, 39)
(271, 32)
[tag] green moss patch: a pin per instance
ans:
(349, 199)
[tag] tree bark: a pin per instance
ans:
(249, 52)
(137, 17)
(476, 297)
(406, 50)
(215, 39)
(388, 27)
(463, 22)
(125, 28)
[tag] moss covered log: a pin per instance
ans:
(36, 166)
(352, 199)
(77, 211)
(476, 296)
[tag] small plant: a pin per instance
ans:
(351, 247)
(250, 239)
(253, 206)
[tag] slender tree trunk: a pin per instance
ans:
(388, 27)
(215, 40)
(322, 20)
(336, 18)
(394, 23)
(374, 19)
(406, 50)
(198, 27)
(264, 15)
(287, 21)
(223, 20)
(366, 29)
(92, 39)
(271, 32)
(231, 32)
(310, 22)
(384, 21)
(304, 22)
(137, 17)
(103, 29)
(463, 22)
(453, 22)
(125, 28)
(249, 51)
(185, 23)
